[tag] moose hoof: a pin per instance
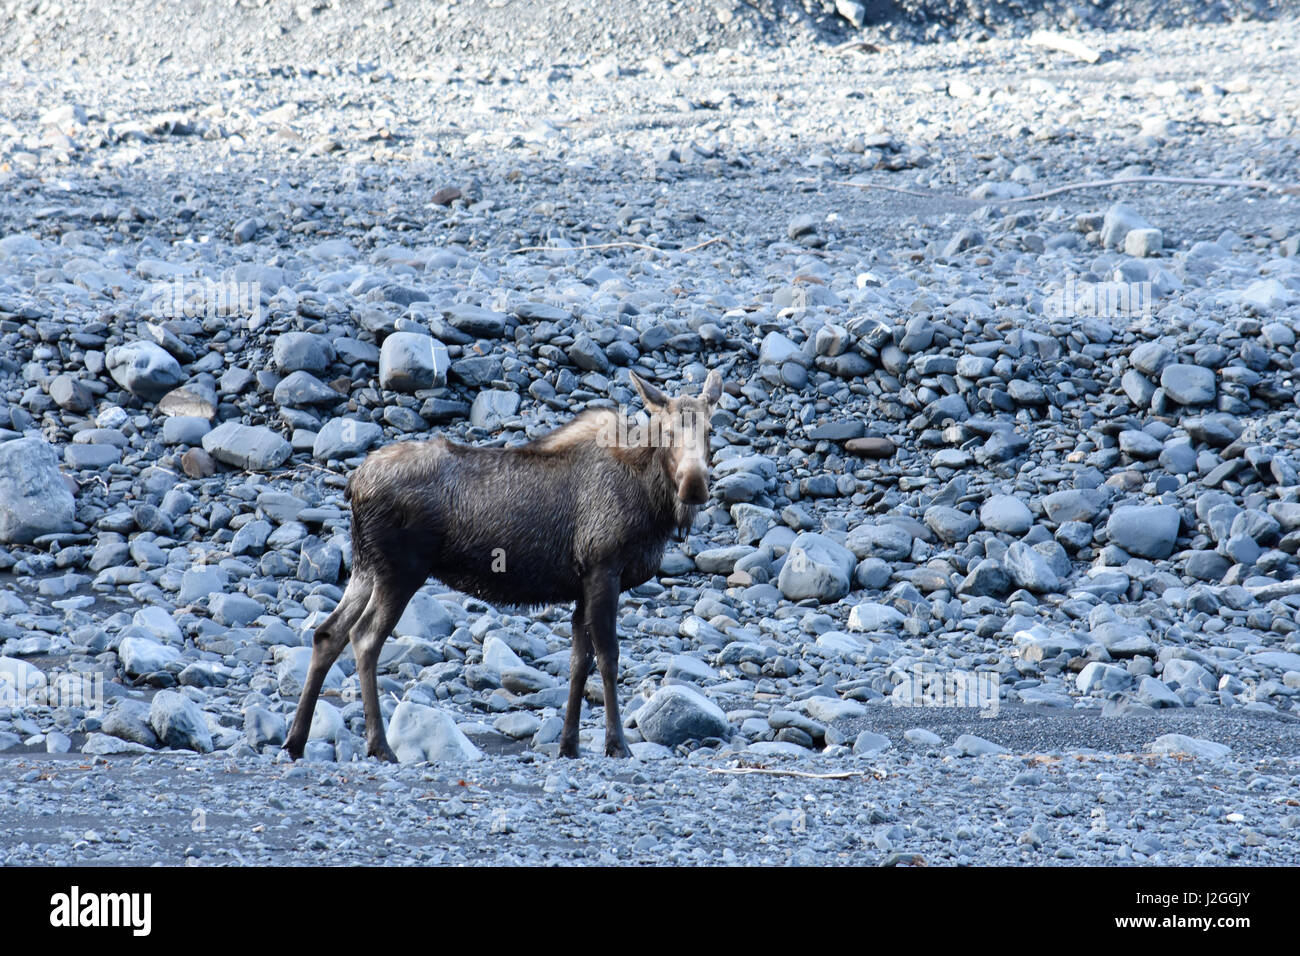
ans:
(617, 748)
(383, 752)
(569, 748)
(293, 750)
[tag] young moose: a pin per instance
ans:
(581, 514)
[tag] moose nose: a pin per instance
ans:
(692, 488)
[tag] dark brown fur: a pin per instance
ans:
(568, 517)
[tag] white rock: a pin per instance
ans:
(1190, 746)
(418, 733)
(872, 616)
(498, 656)
(159, 623)
(326, 722)
(140, 655)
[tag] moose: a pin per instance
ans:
(580, 514)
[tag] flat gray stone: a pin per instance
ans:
(251, 447)
(342, 438)
(1188, 384)
(1006, 513)
(1148, 531)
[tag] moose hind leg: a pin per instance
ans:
(601, 597)
(327, 644)
(387, 602)
(580, 660)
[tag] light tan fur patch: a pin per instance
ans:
(592, 425)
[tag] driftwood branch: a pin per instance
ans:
(772, 772)
(616, 245)
(1173, 180)
(1287, 188)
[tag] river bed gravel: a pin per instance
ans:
(1005, 504)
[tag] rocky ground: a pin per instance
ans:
(1035, 460)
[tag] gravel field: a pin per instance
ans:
(1000, 559)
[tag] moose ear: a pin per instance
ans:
(654, 398)
(712, 390)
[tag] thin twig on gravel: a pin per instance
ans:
(616, 245)
(1174, 180)
(1288, 188)
(856, 46)
(771, 772)
(454, 796)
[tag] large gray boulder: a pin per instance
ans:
(1148, 531)
(816, 567)
(1006, 513)
(143, 655)
(885, 541)
(263, 728)
(251, 447)
(874, 616)
(1188, 384)
(144, 369)
(128, 719)
(425, 617)
(491, 406)
(678, 713)
(291, 673)
(1075, 504)
(34, 500)
(1118, 222)
(950, 524)
(302, 351)
(1030, 569)
(20, 681)
(409, 361)
(1182, 745)
(179, 723)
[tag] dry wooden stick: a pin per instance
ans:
(844, 775)
(924, 194)
(1070, 187)
(856, 45)
(452, 796)
(1175, 180)
(616, 245)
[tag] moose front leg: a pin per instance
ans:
(600, 594)
(580, 658)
